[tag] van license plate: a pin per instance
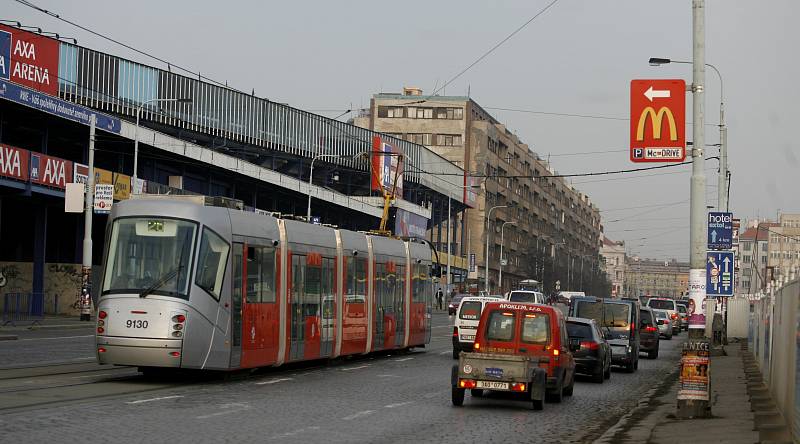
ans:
(492, 385)
(468, 338)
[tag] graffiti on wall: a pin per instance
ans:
(62, 284)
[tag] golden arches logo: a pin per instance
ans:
(657, 118)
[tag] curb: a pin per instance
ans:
(610, 435)
(8, 337)
(39, 327)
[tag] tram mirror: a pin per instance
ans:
(355, 253)
(275, 243)
(436, 270)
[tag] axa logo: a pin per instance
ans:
(656, 119)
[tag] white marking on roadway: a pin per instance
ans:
(399, 404)
(446, 352)
(228, 409)
(57, 337)
(294, 432)
(154, 399)
(354, 368)
(92, 376)
(274, 381)
(389, 376)
(358, 415)
(443, 326)
(403, 359)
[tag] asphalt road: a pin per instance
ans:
(398, 398)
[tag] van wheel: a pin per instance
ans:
(456, 353)
(571, 387)
(557, 395)
(537, 404)
(477, 393)
(653, 354)
(457, 397)
(629, 367)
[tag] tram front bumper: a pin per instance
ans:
(139, 352)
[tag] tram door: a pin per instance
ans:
(400, 306)
(306, 325)
(259, 313)
(380, 311)
(296, 327)
(328, 308)
(236, 305)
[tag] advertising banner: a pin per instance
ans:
(407, 223)
(29, 59)
(50, 171)
(103, 176)
(122, 186)
(57, 107)
(693, 383)
(697, 294)
(387, 165)
(14, 162)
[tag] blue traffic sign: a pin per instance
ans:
(720, 230)
(719, 273)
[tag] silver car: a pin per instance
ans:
(664, 323)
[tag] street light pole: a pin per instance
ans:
(449, 234)
(88, 208)
(486, 259)
(500, 274)
(136, 135)
(311, 177)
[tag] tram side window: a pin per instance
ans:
(260, 274)
(211, 263)
(356, 281)
(421, 286)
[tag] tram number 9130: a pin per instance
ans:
(136, 323)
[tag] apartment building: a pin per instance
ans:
(550, 231)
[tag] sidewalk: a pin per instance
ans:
(654, 421)
(54, 321)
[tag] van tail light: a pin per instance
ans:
(555, 352)
(466, 383)
(518, 387)
(101, 349)
(633, 327)
(650, 329)
(477, 346)
(590, 345)
(455, 331)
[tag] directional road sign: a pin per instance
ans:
(719, 273)
(720, 230)
(658, 127)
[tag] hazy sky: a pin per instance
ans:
(577, 58)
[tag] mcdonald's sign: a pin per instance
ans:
(658, 120)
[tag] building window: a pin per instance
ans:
(746, 259)
(450, 113)
(420, 139)
(392, 112)
(747, 246)
(449, 139)
(764, 246)
(763, 259)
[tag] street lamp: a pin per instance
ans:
(500, 274)
(486, 259)
(722, 185)
(311, 174)
(136, 134)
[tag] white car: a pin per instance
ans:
(526, 296)
(468, 315)
(671, 308)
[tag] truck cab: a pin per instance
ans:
(519, 347)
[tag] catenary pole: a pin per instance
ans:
(697, 237)
(88, 208)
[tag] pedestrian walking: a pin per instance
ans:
(439, 298)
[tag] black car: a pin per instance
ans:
(453, 305)
(591, 351)
(618, 319)
(648, 333)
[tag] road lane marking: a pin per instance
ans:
(446, 352)
(403, 359)
(354, 368)
(54, 338)
(442, 326)
(399, 404)
(226, 412)
(358, 415)
(274, 381)
(227, 409)
(294, 432)
(140, 401)
(389, 376)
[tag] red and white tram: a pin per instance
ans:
(205, 287)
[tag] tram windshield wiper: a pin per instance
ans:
(161, 281)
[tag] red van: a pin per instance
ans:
(515, 341)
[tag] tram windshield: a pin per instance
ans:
(150, 256)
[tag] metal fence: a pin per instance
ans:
(23, 307)
(774, 340)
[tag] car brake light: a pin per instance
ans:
(591, 345)
(650, 328)
(555, 352)
(455, 331)
(518, 387)
(466, 383)
(101, 349)
(674, 316)
(633, 326)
